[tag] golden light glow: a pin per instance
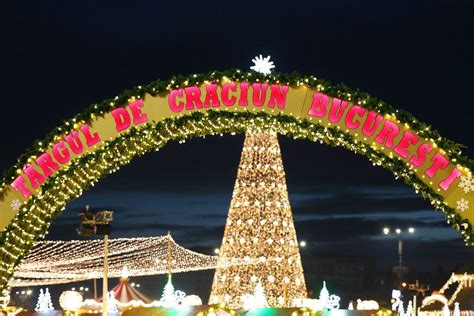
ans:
(260, 227)
(55, 262)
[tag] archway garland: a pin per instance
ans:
(35, 215)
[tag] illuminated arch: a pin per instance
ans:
(435, 297)
(26, 218)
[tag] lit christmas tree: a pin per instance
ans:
(324, 297)
(401, 311)
(456, 312)
(446, 311)
(171, 298)
(259, 296)
(257, 300)
(409, 311)
(167, 298)
(44, 303)
(112, 307)
(259, 232)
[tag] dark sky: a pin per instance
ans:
(59, 57)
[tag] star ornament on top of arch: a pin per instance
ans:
(108, 135)
(262, 65)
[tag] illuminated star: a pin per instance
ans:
(262, 65)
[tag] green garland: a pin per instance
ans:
(159, 87)
(35, 216)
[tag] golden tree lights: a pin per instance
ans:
(260, 229)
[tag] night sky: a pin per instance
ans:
(59, 57)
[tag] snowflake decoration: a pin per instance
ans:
(462, 205)
(262, 65)
(466, 183)
(15, 205)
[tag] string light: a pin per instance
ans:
(54, 262)
(260, 226)
(35, 215)
(463, 281)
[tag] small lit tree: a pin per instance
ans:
(446, 310)
(167, 297)
(401, 311)
(256, 300)
(457, 312)
(324, 297)
(44, 303)
(170, 297)
(409, 311)
(260, 297)
(112, 307)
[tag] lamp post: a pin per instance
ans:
(98, 223)
(400, 269)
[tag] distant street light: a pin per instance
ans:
(400, 269)
(216, 251)
(24, 295)
(302, 243)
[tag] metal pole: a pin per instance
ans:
(414, 306)
(105, 288)
(95, 289)
(169, 255)
(400, 253)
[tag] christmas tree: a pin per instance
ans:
(260, 297)
(456, 312)
(112, 307)
(44, 303)
(259, 232)
(324, 297)
(167, 298)
(257, 300)
(171, 298)
(446, 311)
(409, 311)
(401, 311)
